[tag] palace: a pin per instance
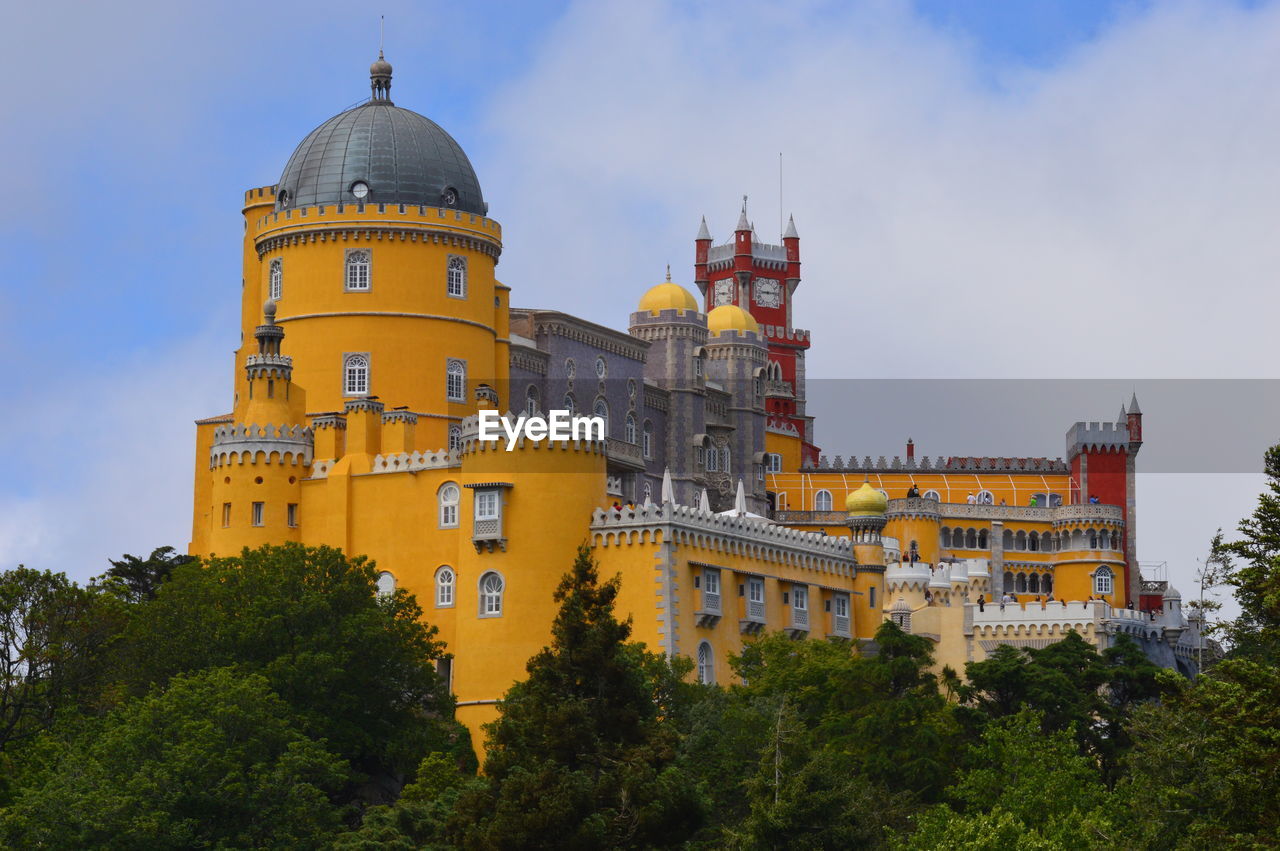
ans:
(375, 330)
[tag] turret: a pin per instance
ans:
(1133, 418)
(742, 254)
(865, 509)
(702, 248)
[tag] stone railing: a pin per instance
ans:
(628, 454)
(1058, 514)
(811, 518)
(241, 443)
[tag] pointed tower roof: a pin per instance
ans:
(1133, 404)
(668, 491)
(704, 503)
(791, 232)
(703, 233)
(1121, 418)
(740, 501)
(743, 224)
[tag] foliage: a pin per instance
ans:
(213, 759)
(1255, 577)
(136, 580)
(581, 755)
(357, 671)
(420, 818)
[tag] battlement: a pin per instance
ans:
(260, 195)
(777, 333)
(763, 254)
(777, 425)
(972, 464)
(268, 366)
(1096, 437)
(280, 444)
(361, 214)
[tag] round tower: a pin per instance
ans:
(258, 459)
(377, 248)
(866, 518)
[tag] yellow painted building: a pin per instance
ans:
(376, 334)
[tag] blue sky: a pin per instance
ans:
(1059, 189)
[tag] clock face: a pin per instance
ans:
(768, 292)
(724, 292)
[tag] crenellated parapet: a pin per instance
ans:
(727, 533)
(279, 367)
(282, 444)
(949, 464)
(1097, 437)
(371, 223)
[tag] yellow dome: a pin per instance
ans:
(730, 317)
(866, 501)
(667, 296)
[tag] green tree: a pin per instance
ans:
(212, 760)
(1252, 564)
(583, 753)
(420, 818)
(357, 671)
(138, 579)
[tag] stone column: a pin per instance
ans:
(997, 560)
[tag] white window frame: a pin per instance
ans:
(359, 270)
(931, 494)
(356, 374)
(385, 585)
(630, 432)
(492, 587)
(841, 605)
(706, 664)
(226, 514)
(985, 497)
(291, 514)
(800, 598)
(823, 498)
(455, 438)
(1104, 580)
(646, 435)
(257, 513)
(488, 504)
(448, 498)
(275, 279)
(446, 585)
(773, 462)
(455, 380)
(456, 276)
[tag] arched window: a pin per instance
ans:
(1102, 580)
(706, 665)
(1115, 541)
(1046, 583)
(455, 380)
(630, 429)
(971, 539)
(984, 539)
(1077, 539)
(1020, 541)
(457, 276)
(944, 538)
(985, 498)
(277, 279)
(491, 595)
(712, 459)
(1033, 584)
(601, 410)
(726, 458)
(355, 376)
(1022, 583)
(386, 584)
(358, 263)
(455, 438)
(648, 492)
(602, 369)
(531, 406)
(1008, 580)
(1007, 539)
(648, 439)
(1093, 539)
(1033, 541)
(931, 494)
(822, 500)
(444, 587)
(447, 497)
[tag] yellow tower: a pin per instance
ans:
(866, 518)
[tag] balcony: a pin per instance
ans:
(841, 626)
(710, 610)
(797, 622)
(624, 454)
(754, 621)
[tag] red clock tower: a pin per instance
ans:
(762, 279)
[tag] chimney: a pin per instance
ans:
(911, 449)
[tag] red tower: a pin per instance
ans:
(762, 279)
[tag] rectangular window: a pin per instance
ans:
(293, 514)
(457, 271)
(800, 598)
(226, 514)
(647, 437)
(486, 505)
(713, 460)
(277, 279)
(842, 606)
(755, 598)
(257, 514)
(358, 262)
(710, 590)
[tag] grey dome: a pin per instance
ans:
(403, 157)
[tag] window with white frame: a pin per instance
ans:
(773, 462)
(457, 287)
(701, 455)
(257, 514)
(448, 497)
(1102, 580)
(800, 598)
(487, 505)
(985, 497)
(531, 406)
(697, 366)
(755, 598)
(601, 410)
(631, 429)
(822, 500)
(491, 587)
(710, 589)
(355, 376)
(455, 438)
(647, 437)
(444, 587)
(386, 584)
(276, 286)
(931, 494)
(358, 262)
(291, 513)
(455, 380)
(706, 665)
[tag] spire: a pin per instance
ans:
(1133, 404)
(704, 503)
(380, 78)
(791, 232)
(1122, 418)
(703, 233)
(743, 224)
(668, 273)
(668, 492)
(740, 501)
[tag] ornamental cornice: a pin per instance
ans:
(622, 345)
(530, 360)
(376, 233)
(236, 444)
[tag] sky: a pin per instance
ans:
(1019, 212)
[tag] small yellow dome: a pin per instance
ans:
(667, 296)
(730, 317)
(866, 501)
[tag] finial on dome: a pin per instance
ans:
(269, 312)
(380, 71)
(668, 273)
